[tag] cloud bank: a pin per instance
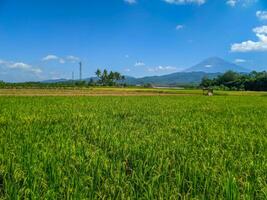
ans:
(20, 66)
(248, 46)
(130, 1)
(262, 15)
(72, 59)
(177, 2)
(162, 69)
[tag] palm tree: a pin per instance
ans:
(111, 78)
(104, 77)
(98, 73)
(117, 76)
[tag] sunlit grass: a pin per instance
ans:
(133, 147)
(109, 91)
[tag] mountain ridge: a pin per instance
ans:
(210, 67)
(216, 65)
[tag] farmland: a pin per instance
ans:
(133, 147)
(109, 91)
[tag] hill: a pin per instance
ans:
(216, 65)
(179, 78)
(211, 68)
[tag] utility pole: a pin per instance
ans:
(80, 71)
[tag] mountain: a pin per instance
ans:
(55, 80)
(216, 65)
(211, 68)
(179, 78)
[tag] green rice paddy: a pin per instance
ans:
(154, 147)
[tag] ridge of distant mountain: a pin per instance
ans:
(55, 80)
(210, 67)
(178, 78)
(216, 65)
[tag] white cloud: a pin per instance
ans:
(239, 60)
(247, 2)
(36, 70)
(179, 27)
(73, 59)
(127, 70)
(231, 3)
(244, 3)
(260, 30)
(2, 62)
(20, 66)
(53, 58)
(262, 15)
(139, 64)
(178, 2)
(130, 1)
(50, 57)
(61, 61)
(208, 66)
(162, 69)
(260, 45)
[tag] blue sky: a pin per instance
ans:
(45, 39)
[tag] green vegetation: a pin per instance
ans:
(254, 81)
(133, 147)
(104, 78)
(111, 91)
(63, 84)
(108, 78)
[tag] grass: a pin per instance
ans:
(168, 147)
(107, 91)
(98, 91)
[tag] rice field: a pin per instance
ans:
(109, 91)
(96, 91)
(133, 147)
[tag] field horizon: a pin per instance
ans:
(119, 91)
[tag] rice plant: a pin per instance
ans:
(133, 147)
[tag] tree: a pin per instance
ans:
(228, 77)
(98, 73)
(254, 81)
(111, 77)
(105, 77)
(206, 82)
(108, 78)
(91, 82)
(117, 76)
(2, 83)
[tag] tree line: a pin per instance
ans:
(104, 78)
(230, 80)
(109, 78)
